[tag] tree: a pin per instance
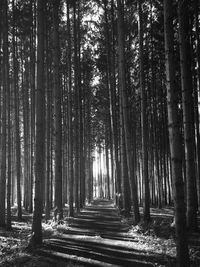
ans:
(32, 86)
(188, 112)
(175, 139)
(57, 108)
(196, 90)
(9, 124)
(40, 128)
(123, 93)
(16, 107)
(4, 113)
(48, 126)
(111, 83)
(143, 120)
(77, 110)
(70, 129)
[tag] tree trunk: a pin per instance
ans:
(3, 133)
(196, 93)
(144, 127)
(32, 85)
(57, 109)
(126, 196)
(112, 99)
(123, 91)
(175, 139)
(188, 113)
(48, 130)
(8, 225)
(25, 101)
(70, 102)
(107, 163)
(40, 128)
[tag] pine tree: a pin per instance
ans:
(57, 108)
(175, 139)
(40, 128)
(188, 112)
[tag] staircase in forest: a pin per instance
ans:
(96, 237)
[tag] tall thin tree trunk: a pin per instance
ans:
(107, 163)
(40, 128)
(126, 197)
(123, 91)
(144, 121)
(196, 93)
(7, 66)
(112, 99)
(48, 130)
(175, 139)
(82, 144)
(57, 108)
(77, 112)
(3, 134)
(25, 101)
(70, 145)
(188, 113)
(33, 106)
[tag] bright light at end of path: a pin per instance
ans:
(99, 166)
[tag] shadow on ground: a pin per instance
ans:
(98, 237)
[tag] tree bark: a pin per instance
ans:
(175, 139)
(48, 129)
(4, 113)
(57, 109)
(188, 113)
(144, 127)
(33, 105)
(9, 147)
(40, 128)
(123, 91)
(70, 102)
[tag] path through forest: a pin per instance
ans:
(97, 237)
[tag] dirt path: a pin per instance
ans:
(97, 237)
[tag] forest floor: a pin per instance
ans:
(97, 236)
